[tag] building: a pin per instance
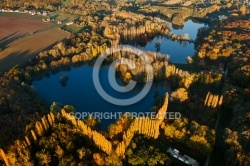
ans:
(70, 23)
(182, 157)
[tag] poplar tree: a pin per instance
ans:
(27, 141)
(5, 159)
(206, 100)
(33, 135)
(221, 100)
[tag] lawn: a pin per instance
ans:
(67, 2)
(75, 29)
(64, 16)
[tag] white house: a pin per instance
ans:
(70, 23)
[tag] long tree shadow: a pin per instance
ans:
(8, 36)
(13, 59)
(20, 58)
(11, 38)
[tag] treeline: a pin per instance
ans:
(130, 25)
(138, 66)
(76, 50)
(48, 142)
(86, 7)
(180, 14)
(133, 67)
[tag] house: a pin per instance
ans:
(32, 12)
(45, 13)
(70, 23)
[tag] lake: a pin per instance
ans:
(177, 50)
(81, 93)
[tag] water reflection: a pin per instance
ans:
(81, 93)
(75, 86)
(177, 49)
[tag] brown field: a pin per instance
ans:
(15, 24)
(23, 49)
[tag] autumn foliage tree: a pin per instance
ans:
(180, 94)
(213, 100)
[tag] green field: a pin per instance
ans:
(67, 2)
(64, 16)
(75, 29)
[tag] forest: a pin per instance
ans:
(213, 99)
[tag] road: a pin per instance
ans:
(218, 118)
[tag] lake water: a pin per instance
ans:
(81, 93)
(189, 27)
(177, 50)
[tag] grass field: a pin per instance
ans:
(24, 49)
(75, 29)
(64, 16)
(67, 2)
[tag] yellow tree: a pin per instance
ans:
(180, 94)
(206, 100)
(127, 77)
(243, 9)
(5, 159)
(221, 100)
(27, 141)
(33, 135)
